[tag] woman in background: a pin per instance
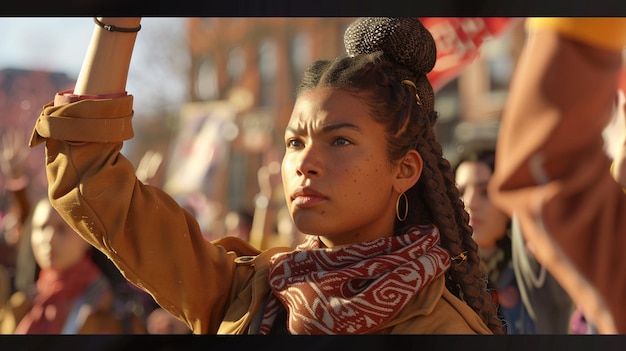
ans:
(492, 232)
(71, 295)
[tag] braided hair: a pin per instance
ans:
(381, 53)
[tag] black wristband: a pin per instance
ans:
(112, 28)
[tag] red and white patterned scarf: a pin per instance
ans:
(352, 289)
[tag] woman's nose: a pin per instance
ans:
(308, 162)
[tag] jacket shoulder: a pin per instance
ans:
(435, 310)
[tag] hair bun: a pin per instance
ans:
(405, 40)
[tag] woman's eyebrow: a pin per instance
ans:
(329, 127)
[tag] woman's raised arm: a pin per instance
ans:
(106, 64)
(154, 243)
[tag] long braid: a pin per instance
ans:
(438, 194)
(465, 279)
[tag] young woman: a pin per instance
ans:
(389, 247)
(72, 295)
(492, 232)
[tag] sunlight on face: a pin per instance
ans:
(55, 245)
(337, 176)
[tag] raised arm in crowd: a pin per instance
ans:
(552, 170)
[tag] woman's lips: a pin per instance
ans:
(306, 197)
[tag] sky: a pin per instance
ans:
(55, 43)
(49, 43)
(58, 44)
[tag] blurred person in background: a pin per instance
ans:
(13, 157)
(492, 232)
(71, 295)
(550, 307)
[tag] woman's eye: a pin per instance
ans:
(293, 143)
(341, 141)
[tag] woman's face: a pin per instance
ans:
(336, 173)
(488, 221)
(55, 245)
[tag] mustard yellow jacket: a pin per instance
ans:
(214, 287)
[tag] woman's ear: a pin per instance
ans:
(409, 171)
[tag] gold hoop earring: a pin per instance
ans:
(406, 207)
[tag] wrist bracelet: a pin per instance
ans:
(112, 28)
(70, 93)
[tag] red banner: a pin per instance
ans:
(458, 40)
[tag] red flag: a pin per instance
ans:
(458, 41)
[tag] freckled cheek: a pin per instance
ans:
(365, 181)
(372, 174)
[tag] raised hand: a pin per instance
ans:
(14, 153)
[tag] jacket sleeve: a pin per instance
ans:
(154, 243)
(551, 168)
